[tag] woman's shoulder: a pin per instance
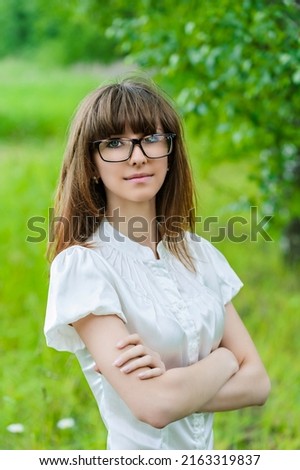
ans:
(206, 252)
(79, 258)
(211, 259)
(74, 252)
(199, 244)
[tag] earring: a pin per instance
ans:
(96, 180)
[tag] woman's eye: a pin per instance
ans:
(151, 139)
(113, 144)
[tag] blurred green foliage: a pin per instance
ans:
(58, 32)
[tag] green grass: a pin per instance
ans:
(40, 386)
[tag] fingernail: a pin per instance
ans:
(125, 369)
(117, 362)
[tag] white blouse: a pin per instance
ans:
(176, 312)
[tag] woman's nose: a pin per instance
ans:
(137, 155)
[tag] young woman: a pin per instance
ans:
(143, 302)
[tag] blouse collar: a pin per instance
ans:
(106, 233)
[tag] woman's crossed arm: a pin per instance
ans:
(160, 400)
(250, 385)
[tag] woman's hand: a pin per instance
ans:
(137, 357)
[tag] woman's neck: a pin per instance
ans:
(137, 222)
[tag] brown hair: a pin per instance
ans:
(80, 203)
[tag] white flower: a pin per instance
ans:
(65, 423)
(15, 428)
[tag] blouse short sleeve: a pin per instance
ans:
(228, 282)
(80, 284)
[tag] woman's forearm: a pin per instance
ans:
(248, 387)
(183, 391)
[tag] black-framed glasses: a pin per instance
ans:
(119, 149)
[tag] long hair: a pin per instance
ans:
(80, 203)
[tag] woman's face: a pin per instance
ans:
(136, 180)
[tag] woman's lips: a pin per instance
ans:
(139, 178)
